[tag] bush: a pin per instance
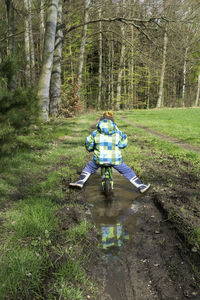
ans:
(19, 108)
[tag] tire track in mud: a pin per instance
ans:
(155, 264)
(164, 137)
(151, 264)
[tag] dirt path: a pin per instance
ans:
(152, 262)
(164, 137)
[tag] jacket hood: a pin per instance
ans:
(106, 126)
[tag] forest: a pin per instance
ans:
(62, 63)
(67, 56)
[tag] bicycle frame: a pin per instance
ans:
(106, 176)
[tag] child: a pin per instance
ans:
(107, 142)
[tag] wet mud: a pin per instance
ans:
(142, 256)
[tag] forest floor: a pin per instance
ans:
(58, 243)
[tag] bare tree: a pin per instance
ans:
(47, 62)
(100, 61)
(83, 43)
(55, 92)
(162, 76)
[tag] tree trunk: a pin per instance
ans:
(42, 27)
(82, 49)
(161, 90)
(198, 92)
(11, 27)
(184, 76)
(47, 62)
(132, 68)
(32, 50)
(12, 84)
(55, 94)
(120, 72)
(100, 62)
(112, 75)
(29, 45)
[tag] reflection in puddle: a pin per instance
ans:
(115, 218)
(113, 236)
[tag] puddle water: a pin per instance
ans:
(117, 220)
(115, 217)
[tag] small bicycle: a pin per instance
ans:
(107, 179)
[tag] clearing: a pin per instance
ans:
(62, 244)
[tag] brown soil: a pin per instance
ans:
(158, 263)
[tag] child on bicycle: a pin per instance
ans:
(106, 142)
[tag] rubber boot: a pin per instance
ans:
(139, 185)
(82, 179)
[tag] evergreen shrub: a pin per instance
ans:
(19, 108)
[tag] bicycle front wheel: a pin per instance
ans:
(107, 187)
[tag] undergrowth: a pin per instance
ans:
(32, 190)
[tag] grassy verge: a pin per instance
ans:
(179, 123)
(44, 240)
(173, 173)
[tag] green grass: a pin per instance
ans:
(31, 192)
(33, 262)
(179, 123)
(142, 144)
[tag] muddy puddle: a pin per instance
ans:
(117, 219)
(142, 259)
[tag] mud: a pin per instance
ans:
(142, 256)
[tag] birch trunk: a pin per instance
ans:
(132, 68)
(82, 48)
(161, 90)
(55, 93)
(198, 92)
(100, 62)
(42, 27)
(109, 75)
(112, 75)
(119, 79)
(47, 62)
(27, 44)
(120, 72)
(184, 76)
(32, 50)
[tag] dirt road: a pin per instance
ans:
(146, 259)
(144, 240)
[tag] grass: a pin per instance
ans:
(37, 257)
(31, 192)
(142, 143)
(179, 123)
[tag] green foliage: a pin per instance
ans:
(35, 262)
(19, 108)
(8, 68)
